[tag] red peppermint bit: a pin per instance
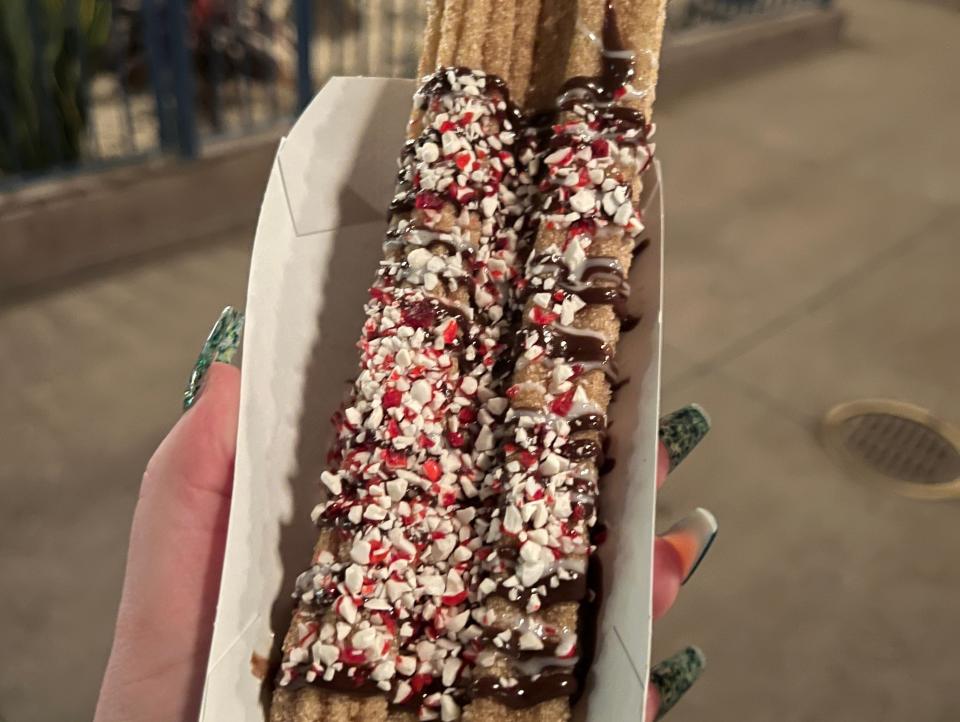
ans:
(395, 459)
(381, 295)
(584, 177)
(481, 153)
(447, 125)
(528, 459)
(558, 296)
(562, 404)
(448, 499)
(389, 622)
(419, 315)
(432, 470)
(462, 195)
(462, 160)
(425, 441)
(467, 415)
(619, 92)
(583, 227)
(349, 655)
(455, 438)
(600, 148)
(391, 398)
(542, 316)
(416, 372)
(429, 200)
(450, 331)
(509, 448)
(419, 681)
(504, 156)
(467, 118)
(393, 429)
(378, 551)
(451, 600)
(488, 361)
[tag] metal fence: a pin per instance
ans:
(88, 83)
(84, 83)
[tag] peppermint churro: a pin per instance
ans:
(450, 578)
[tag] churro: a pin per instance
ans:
(451, 576)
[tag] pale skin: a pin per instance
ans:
(165, 620)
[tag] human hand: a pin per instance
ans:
(676, 555)
(165, 620)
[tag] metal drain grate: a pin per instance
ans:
(898, 442)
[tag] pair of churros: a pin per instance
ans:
(450, 574)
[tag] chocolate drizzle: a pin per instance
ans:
(527, 691)
(604, 89)
(599, 281)
(588, 422)
(576, 347)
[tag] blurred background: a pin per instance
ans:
(812, 173)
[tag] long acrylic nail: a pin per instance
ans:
(221, 345)
(682, 430)
(692, 537)
(675, 675)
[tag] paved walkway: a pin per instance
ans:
(813, 220)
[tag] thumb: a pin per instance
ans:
(173, 566)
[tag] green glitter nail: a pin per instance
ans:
(221, 345)
(675, 675)
(682, 430)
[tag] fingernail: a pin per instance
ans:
(675, 675)
(682, 430)
(692, 537)
(221, 345)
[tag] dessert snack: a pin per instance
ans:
(449, 579)
(573, 298)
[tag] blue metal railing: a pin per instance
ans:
(170, 76)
